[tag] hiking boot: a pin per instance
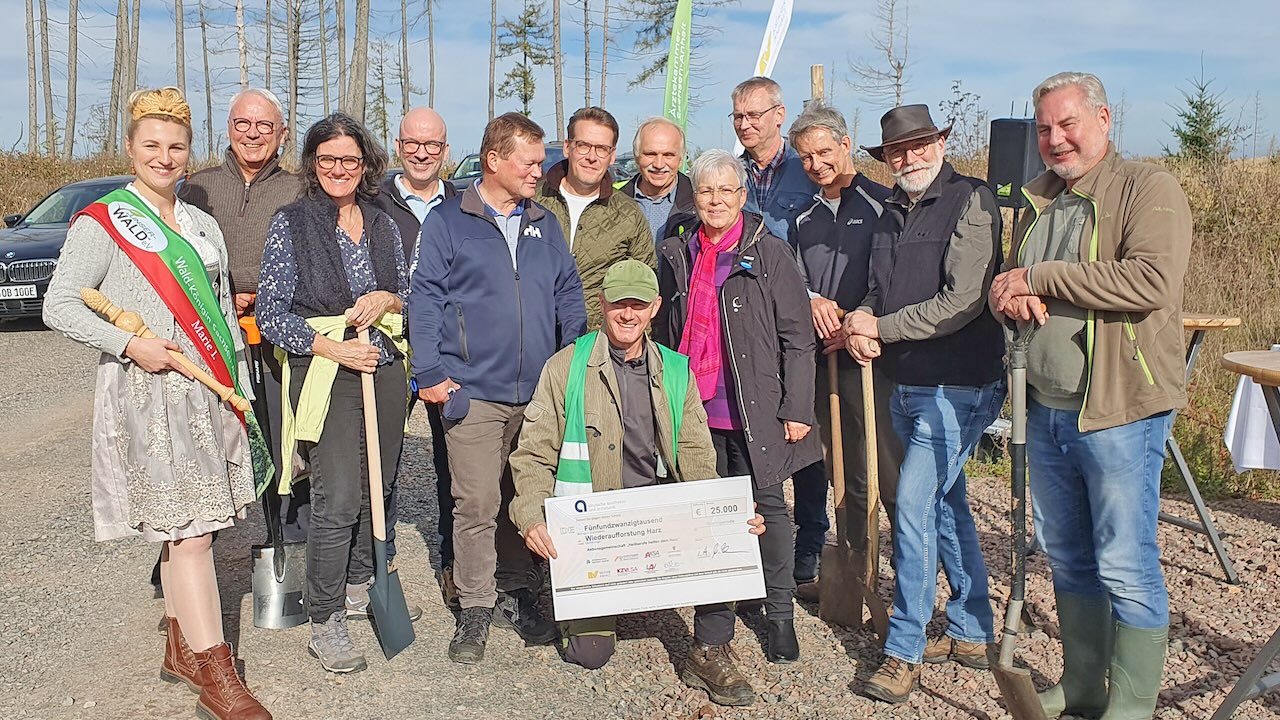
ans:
(448, 589)
(894, 681)
(711, 668)
(968, 654)
(332, 646)
(782, 645)
(472, 633)
(179, 664)
(357, 603)
(223, 695)
(518, 610)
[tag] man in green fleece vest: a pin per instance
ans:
(616, 410)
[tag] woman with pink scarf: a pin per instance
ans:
(734, 302)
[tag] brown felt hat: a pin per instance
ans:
(904, 124)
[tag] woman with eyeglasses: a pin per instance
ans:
(334, 265)
(734, 302)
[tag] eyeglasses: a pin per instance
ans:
(350, 163)
(242, 125)
(751, 117)
(582, 148)
(898, 152)
(411, 147)
(709, 194)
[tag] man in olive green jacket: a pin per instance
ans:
(1098, 262)
(631, 442)
(603, 226)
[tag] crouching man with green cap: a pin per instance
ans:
(617, 410)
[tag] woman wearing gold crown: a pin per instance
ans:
(171, 462)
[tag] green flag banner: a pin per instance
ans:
(676, 100)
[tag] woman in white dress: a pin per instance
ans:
(171, 463)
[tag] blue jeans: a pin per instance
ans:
(1098, 497)
(939, 426)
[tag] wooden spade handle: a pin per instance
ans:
(373, 449)
(130, 321)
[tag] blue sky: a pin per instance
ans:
(1145, 50)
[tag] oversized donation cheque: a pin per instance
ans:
(652, 548)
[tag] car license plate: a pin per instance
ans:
(17, 292)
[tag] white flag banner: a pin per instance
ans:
(774, 33)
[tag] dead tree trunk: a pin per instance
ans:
(431, 53)
(132, 41)
(293, 9)
(586, 53)
(604, 51)
(33, 92)
(50, 137)
(267, 67)
(557, 65)
(324, 58)
(493, 52)
(73, 63)
(119, 72)
(340, 10)
(180, 45)
(404, 56)
(242, 45)
(208, 84)
(358, 82)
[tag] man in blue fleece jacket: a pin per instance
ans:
(495, 293)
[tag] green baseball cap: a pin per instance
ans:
(630, 280)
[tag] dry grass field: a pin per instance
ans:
(1234, 270)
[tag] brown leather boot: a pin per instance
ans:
(894, 681)
(970, 655)
(711, 668)
(179, 664)
(223, 695)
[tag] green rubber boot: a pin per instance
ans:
(1137, 667)
(1085, 623)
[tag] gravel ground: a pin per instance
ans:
(78, 639)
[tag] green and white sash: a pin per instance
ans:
(573, 472)
(175, 271)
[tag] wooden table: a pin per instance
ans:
(1264, 367)
(1200, 324)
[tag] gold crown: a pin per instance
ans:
(167, 101)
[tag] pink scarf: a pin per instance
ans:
(701, 337)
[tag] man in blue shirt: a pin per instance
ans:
(777, 186)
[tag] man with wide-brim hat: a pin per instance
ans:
(906, 124)
(933, 253)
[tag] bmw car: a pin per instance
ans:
(30, 243)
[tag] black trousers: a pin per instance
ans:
(444, 481)
(713, 624)
(340, 537)
(294, 508)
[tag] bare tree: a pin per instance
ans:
(1119, 114)
(179, 44)
(557, 65)
(119, 75)
(208, 84)
(493, 53)
(242, 45)
(73, 62)
(526, 38)
(586, 53)
(653, 19)
(134, 40)
(32, 89)
(266, 67)
(886, 82)
(358, 81)
(340, 11)
(404, 56)
(293, 50)
(50, 129)
(379, 111)
(324, 56)
(604, 51)
(431, 53)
